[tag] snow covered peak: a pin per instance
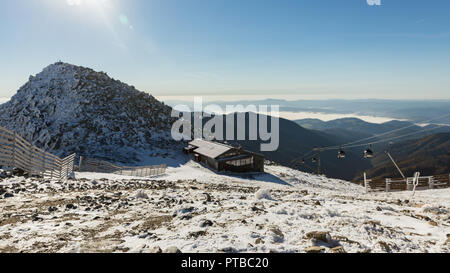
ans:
(58, 67)
(67, 108)
(57, 70)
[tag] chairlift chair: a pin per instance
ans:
(368, 153)
(314, 160)
(341, 153)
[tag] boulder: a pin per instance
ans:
(322, 236)
(338, 249)
(208, 197)
(259, 241)
(8, 195)
(71, 206)
(314, 249)
(196, 234)
(155, 250)
(263, 194)
(206, 223)
(172, 249)
(277, 235)
(229, 250)
(385, 246)
(141, 195)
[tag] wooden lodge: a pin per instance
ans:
(223, 157)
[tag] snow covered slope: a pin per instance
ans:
(68, 108)
(197, 210)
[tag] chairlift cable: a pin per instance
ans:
(396, 130)
(349, 145)
(375, 142)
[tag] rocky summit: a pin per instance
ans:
(68, 108)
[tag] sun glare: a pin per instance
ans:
(95, 7)
(106, 12)
(87, 2)
(74, 2)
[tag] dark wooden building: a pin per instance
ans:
(223, 157)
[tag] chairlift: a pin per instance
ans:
(303, 161)
(314, 160)
(368, 153)
(341, 153)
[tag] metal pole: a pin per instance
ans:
(395, 164)
(318, 158)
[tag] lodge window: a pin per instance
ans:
(241, 162)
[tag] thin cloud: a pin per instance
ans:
(408, 35)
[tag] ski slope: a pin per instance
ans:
(195, 209)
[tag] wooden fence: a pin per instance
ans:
(400, 184)
(95, 165)
(16, 152)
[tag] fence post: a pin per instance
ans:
(43, 162)
(365, 183)
(416, 182)
(388, 184)
(51, 172)
(80, 164)
(73, 162)
(60, 171)
(67, 169)
(13, 163)
(30, 152)
(431, 182)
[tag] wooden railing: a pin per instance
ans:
(400, 184)
(95, 165)
(16, 152)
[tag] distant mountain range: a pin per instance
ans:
(419, 111)
(351, 129)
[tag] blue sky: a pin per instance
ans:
(303, 48)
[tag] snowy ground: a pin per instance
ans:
(196, 210)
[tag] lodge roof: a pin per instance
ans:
(209, 148)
